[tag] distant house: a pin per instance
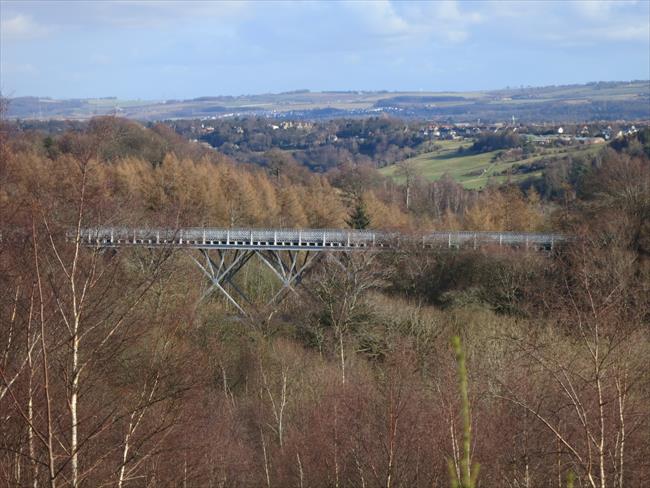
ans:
(606, 133)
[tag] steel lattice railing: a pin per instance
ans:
(316, 239)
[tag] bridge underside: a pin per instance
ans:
(221, 266)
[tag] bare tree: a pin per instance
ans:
(408, 170)
(341, 291)
(589, 366)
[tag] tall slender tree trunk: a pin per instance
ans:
(342, 355)
(300, 471)
(30, 396)
(559, 462)
(408, 195)
(125, 453)
(601, 444)
(621, 413)
(74, 398)
(601, 409)
(336, 447)
(76, 339)
(266, 460)
(392, 439)
(46, 378)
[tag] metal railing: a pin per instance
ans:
(316, 239)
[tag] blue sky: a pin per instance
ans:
(185, 49)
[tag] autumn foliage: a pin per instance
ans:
(113, 372)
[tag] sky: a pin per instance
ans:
(186, 49)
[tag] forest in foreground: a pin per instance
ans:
(113, 372)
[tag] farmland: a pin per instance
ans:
(592, 101)
(476, 170)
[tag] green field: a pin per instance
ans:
(474, 171)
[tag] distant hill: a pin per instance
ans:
(591, 101)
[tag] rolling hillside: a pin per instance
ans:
(475, 170)
(591, 101)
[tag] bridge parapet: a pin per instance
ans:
(307, 239)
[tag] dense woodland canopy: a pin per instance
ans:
(113, 372)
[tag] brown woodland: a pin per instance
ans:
(113, 373)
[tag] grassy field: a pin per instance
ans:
(475, 171)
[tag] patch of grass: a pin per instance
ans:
(476, 170)
(472, 170)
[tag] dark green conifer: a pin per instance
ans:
(359, 218)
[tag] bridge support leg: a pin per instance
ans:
(289, 267)
(290, 272)
(221, 272)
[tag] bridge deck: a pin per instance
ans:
(307, 239)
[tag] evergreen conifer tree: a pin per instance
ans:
(359, 218)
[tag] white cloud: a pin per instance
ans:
(444, 20)
(140, 13)
(579, 22)
(449, 10)
(19, 69)
(600, 9)
(21, 27)
(639, 32)
(415, 21)
(29, 19)
(380, 18)
(619, 20)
